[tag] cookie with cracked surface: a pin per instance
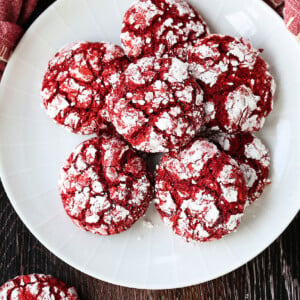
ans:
(252, 156)
(161, 28)
(76, 84)
(238, 87)
(105, 186)
(38, 287)
(200, 192)
(156, 105)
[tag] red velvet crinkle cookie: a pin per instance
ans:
(77, 81)
(161, 28)
(238, 87)
(252, 156)
(156, 105)
(200, 192)
(105, 186)
(36, 287)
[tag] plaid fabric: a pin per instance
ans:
(13, 15)
(292, 16)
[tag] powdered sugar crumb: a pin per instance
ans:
(249, 174)
(192, 160)
(257, 150)
(240, 105)
(164, 122)
(178, 71)
(209, 109)
(233, 221)
(227, 181)
(148, 224)
(57, 105)
(245, 53)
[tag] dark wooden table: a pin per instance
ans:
(274, 274)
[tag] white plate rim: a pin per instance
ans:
(73, 264)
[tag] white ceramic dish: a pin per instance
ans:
(32, 149)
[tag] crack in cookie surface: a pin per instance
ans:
(76, 83)
(156, 105)
(105, 186)
(37, 286)
(238, 87)
(161, 28)
(252, 156)
(200, 191)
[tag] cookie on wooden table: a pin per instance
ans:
(37, 287)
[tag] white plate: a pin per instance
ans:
(33, 149)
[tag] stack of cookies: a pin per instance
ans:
(174, 89)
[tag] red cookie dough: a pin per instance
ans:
(238, 87)
(36, 287)
(200, 192)
(77, 81)
(156, 105)
(161, 28)
(105, 186)
(252, 156)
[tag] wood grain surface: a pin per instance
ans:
(274, 274)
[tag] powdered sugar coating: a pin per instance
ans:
(161, 28)
(240, 106)
(252, 156)
(236, 81)
(200, 192)
(76, 83)
(157, 105)
(105, 186)
(36, 286)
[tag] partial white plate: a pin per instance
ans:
(33, 148)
